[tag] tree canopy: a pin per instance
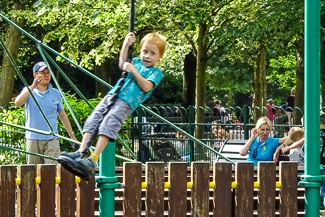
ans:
(226, 38)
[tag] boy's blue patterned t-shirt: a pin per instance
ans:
(130, 91)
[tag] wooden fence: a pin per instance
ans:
(176, 190)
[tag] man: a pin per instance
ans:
(49, 100)
(224, 117)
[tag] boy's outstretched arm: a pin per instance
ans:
(128, 41)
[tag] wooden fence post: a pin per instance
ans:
(46, 190)
(155, 189)
(244, 193)
(289, 188)
(65, 193)
(266, 176)
(177, 177)
(86, 198)
(26, 190)
(7, 190)
(222, 193)
(200, 172)
(132, 178)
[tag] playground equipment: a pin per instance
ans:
(224, 190)
(311, 178)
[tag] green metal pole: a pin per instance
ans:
(107, 181)
(311, 179)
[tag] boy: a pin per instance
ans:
(294, 145)
(296, 136)
(141, 80)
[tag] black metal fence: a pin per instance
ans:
(152, 128)
(150, 131)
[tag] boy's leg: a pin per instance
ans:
(90, 163)
(101, 144)
(108, 127)
(90, 127)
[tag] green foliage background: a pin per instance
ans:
(14, 137)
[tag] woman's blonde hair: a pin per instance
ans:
(263, 120)
(157, 39)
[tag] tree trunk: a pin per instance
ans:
(260, 83)
(103, 72)
(12, 43)
(189, 80)
(201, 60)
(299, 98)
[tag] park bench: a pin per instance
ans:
(230, 149)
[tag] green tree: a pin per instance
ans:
(12, 43)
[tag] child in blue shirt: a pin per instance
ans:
(142, 78)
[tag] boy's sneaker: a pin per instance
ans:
(88, 163)
(72, 155)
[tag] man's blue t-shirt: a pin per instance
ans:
(130, 91)
(51, 104)
(263, 151)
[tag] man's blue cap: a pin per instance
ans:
(38, 67)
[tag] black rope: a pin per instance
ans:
(120, 82)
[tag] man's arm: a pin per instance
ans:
(22, 97)
(66, 123)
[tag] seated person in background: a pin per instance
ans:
(293, 145)
(182, 145)
(261, 147)
(221, 135)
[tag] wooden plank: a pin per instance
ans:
(86, 198)
(177, 177)
(222, 194)
(46, 190)
(7, 191)
(65, 193)
(132, 189)
(266, 176)
(245, 190)
(289, 186)
(200, 192)
(155, 189)
(26, 191)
